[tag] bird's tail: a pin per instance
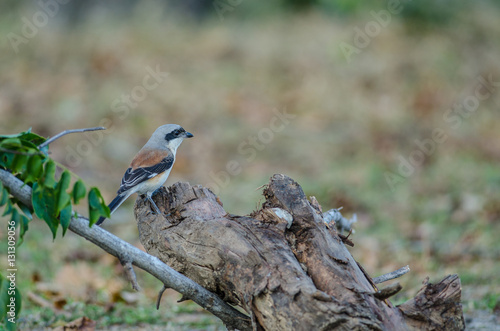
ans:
(113, 206)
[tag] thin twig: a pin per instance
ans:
(258, 188)
(391, 275)
(38, 300)
(65, 132)
(388, 291)
(129, 271)
(151, 264)
(160, 294)
(345, 239)
(183, 298)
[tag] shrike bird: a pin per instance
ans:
(151, 166)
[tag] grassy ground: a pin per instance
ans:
(354, 124)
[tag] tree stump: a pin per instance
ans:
(282, 264)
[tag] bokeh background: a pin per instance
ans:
(393, 115)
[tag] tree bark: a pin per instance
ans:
(436, 306)
(283, 265)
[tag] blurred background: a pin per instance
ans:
(388, 109)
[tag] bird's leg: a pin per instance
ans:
(153, 204)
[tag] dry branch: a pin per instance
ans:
(391, 275)
(59, 135)
(283, 265)
(126, 252)
(388, 291)
(129, 272)
(160, 294)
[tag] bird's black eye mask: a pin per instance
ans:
(174, 134)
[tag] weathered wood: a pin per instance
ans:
(283, 265)
(436, 306)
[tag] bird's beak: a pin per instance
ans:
(189, 135)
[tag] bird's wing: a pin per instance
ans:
(147, 164)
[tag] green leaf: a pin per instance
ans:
(6, 159)
(97, 206)
(65, 218)
(78, 191)
(8, 208)
(9, 295)
(49, 174)
(15, 217)
(26, 135)
(34, 138)
(15, 135)
(45, 206)
(15, 153)
(63, 198)
(11, 143)
(4, 195)
(19, 163)
(25, 210)
(34, 169)
(29, 147)
(19, 221)
(25, 220)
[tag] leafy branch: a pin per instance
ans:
(129, 254)
(28, 183)
(25, 155)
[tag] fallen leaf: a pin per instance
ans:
(80, 324)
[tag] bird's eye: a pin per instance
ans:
(174, 134)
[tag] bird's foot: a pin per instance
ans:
(154, 206)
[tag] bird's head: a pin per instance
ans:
(170, 135)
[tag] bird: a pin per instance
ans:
(151, 166)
